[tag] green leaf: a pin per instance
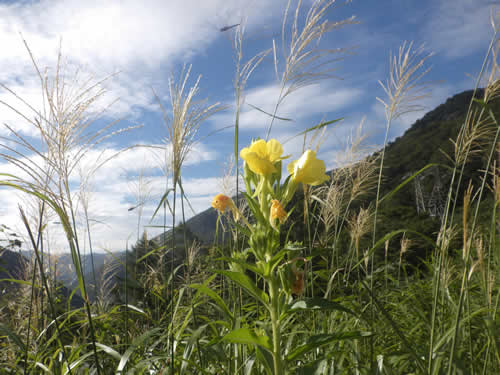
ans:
(163, 201)
(265, 358)
(150, 252)
(6, 331)
(43, 367)
(267, 113)
(22, 282)
(242, 263)
(112, 352)
(249, 337)
(317, 367)
(406, 342)
(319, 126)
(135, 344)
(247, 284)
(255, 208)
(317, 341)
(317, 303)
(218, 300)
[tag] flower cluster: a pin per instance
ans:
(262, 157)
(263, 170)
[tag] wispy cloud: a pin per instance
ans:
(310, 101)
(110, 191)
(142, 41)
(459, 28)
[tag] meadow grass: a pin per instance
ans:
(300, 278)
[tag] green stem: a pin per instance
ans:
(274, 296)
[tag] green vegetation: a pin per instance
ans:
(388, 265)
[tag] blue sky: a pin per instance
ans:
(148, 41)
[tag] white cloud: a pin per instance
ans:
(313, 100)
(141, 40)
(458, 28)
(111, 193)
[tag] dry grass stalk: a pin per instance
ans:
(405, 244)
(243, 72)
(468, 198)
(479, 245)
(355, 177)
(359, 225)
(445, 237)
(492, 84)
(64, 127)
(448, 274)
(331, 208)
(403, 88)
(473, 137)
(304, 63)
(187, 117)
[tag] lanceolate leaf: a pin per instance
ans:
(254, 207)
(317, 303)
(319, 340)
(247, 284)
(5, 331)
(269, 114)
(314, 368)
(163, 201)
(218, 300)
(107, 349)
(135, 344)
(249, 337)
(319, 126)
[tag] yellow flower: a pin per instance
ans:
(277, 211)
(308, 169)
(221, 202)
(262, 155)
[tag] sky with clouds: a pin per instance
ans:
(139, 46)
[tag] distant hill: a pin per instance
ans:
(14, 265)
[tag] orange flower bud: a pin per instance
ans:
(221, 202)
(277, 211)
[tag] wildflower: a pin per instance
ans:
(277, 211)
(221, 202)
(308, 169)
(261, 156)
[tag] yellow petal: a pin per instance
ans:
(259, 165)
(308, 169)
(261, 156)
(291, 167)
(259, 147)
(274, 150)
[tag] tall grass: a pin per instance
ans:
(295, 281)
